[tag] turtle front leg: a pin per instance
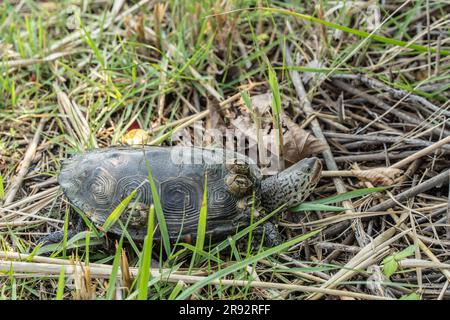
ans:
(272, 236)
(268, 229)
(58, 236)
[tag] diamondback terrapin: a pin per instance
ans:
(96, 182)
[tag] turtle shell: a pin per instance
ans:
(97, 181)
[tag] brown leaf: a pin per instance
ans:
(299, 143)
(125, 270)
(140, 28)
(379, 176)
(160, 11)
(84, 289)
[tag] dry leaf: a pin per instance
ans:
(140, 28)
(125, 270)
(136, 136)
(160, 11)
(84, 289)
(212, 137)
(379, 176)
(299, 143)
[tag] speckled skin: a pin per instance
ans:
(98, 180)
(291, 186)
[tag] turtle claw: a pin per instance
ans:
(246, 204)
(272, 235)
(58, 236)
(238, 180)
(238, 184)
(51, 238)
(136, 215)
(268, 231)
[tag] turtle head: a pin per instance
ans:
(292, 185)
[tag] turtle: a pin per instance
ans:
(97, 181)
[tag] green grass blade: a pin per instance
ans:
(322, 204)
(247, 101)
(2, 189)
(276, 98)
(13, 285)
(66, 231)
(154, 281)
(276, 107)
(360, 33)
(224, 244)
(90, 226)
(405, 253)
(91, 43)
(128, 237)
(61, 284)
(411, 296)
(87, 243)
(201, 227)
(348, 195)
(77, 241)
(146, 258)
(250, 234)
(197, 251)
(115, 214)
(242, 264)
(307, 206)
(179, 286)
(34, 251)
(158, 211)
(114, 271)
